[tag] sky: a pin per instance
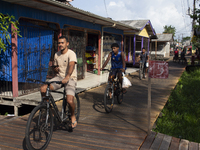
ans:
(159, 12)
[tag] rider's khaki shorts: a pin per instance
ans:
(70, 87)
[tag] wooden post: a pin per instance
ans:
(134, 46)
(101, 60)
(148, 44)
(125, 47)
(149, 105)
(99, 54)
(122, 43)
(84, 59)
(16, 105)
(155, 49)
(149, 98)
(14, 63)
(14, 69)
(129, 50)
(142, 43)
(59, 35)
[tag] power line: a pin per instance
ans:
(184, 27)
(183, 10)
(106, 8)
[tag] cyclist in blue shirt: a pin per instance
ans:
(117, 64)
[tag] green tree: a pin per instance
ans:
(169, 29)
(185, 38)
(5, 22)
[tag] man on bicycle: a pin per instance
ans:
(144, 57)
(65, 64)
(117, 64)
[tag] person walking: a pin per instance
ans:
(144, 57)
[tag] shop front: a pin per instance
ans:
(41, 24)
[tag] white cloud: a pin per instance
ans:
(112, 4)
(159, 12)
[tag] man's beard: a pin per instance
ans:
(62, 49)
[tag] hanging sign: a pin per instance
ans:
(158, 69)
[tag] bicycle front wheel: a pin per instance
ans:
(39, 128)
(109, 98)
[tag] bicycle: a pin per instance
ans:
(39, 128)
(112, 90)
(141, 70)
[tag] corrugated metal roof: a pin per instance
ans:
(135, 23)
(164, 38)
(140, 24)
(70, 11)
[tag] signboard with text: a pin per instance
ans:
(158, 69)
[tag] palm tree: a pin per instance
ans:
(169, 29)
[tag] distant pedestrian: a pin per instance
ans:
(176, 53)
(144, 57)
(183, 56)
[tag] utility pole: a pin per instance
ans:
(193, 21)
(182, 40)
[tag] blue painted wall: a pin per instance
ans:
(27, 70)
(6, 61)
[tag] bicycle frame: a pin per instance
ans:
(114, 82)
(51, 103)
(113, 87)
(40, 123)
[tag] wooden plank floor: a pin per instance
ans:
(124, 128)
(159, 141)
(85, 136)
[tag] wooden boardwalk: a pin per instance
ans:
(85, 136)
(158, 141)
(124, 128)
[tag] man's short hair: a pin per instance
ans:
(114, 45)
(143, 48)
(63, 37)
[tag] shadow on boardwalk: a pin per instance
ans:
(124, 128)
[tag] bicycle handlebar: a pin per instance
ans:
(105, 70)
(34, 80)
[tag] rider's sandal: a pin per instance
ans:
(75, 122)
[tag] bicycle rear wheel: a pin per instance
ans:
(39, 128)
(108, 101)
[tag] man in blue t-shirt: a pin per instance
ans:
(117, 63)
